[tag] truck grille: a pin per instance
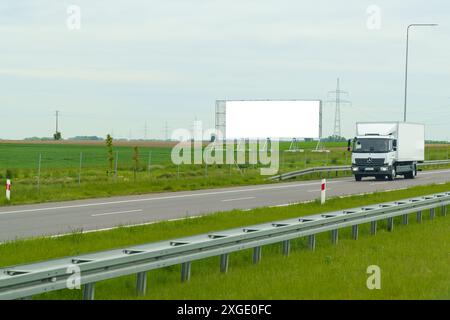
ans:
(370, 162)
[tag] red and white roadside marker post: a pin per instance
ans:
(323, 192)
(8, 189)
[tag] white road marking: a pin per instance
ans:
(238, 199)
(118, 212)
(318, 190)
(390, 190)
(271, 187)
(432, 172)
(115, 227)
(281, 205)
(378, 183)
(175, 219)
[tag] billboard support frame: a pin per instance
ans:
(319, 146)
(221, 113)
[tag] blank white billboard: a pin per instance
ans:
(273, 119)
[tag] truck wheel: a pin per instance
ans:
(358, 177)
(412, 174)
(393, 174)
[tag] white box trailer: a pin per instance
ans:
(388, 149)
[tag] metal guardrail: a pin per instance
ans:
(434, 162)
(293, 174)
(27, 280)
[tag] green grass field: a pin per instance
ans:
(60, 176)
(414, 259)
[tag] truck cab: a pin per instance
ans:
(374, 156)
(385, 150)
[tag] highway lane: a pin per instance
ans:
(65, 217)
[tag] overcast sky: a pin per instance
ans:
(134, 62)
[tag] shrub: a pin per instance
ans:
(9, 174)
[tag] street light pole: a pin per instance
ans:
(406, 65)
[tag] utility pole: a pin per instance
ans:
(406, 64)
(145, 131)
(57, 135)
(57, 116)
(338, 101)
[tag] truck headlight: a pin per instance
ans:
(384, 169)
(355, 168)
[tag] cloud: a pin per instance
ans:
(190, 52)
(93, 74)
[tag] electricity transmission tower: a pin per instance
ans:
(166, 132)
(338, 101)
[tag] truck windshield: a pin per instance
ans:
(372, 145)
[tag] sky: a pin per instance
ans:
(136, 64)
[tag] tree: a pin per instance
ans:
(135, 160)
(57, 136)
(109, 146)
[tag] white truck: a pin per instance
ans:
(387, 149)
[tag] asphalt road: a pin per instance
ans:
(65, 217)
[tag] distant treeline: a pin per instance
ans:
(39, 139)
(436, 142)
(334, 139)
(77, 138)
(86, 138)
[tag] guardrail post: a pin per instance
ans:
(419, 216)
(444, 210)
(390, 224)
(185, 271)
(312, 242)
(89, 291)
(355, 232)
(141, 283)
(373, 228)
(334, 236)
(224, 262)
(432, 213)
(256, 255)
(405, 219)
(286, 247)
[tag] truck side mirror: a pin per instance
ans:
(349, 144)
(394, 145)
